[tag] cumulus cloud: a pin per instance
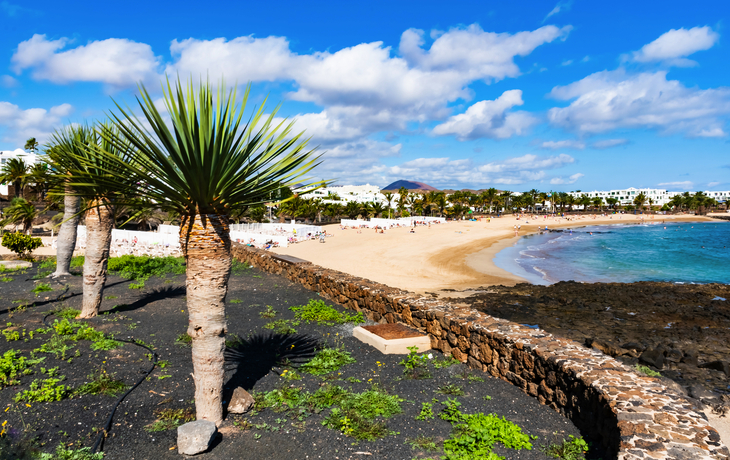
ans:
(684, 185)
(608, 143)
(116, 62)
(609, 100)
(674, 46)
(490, 119)
(566, 180)
(566, 144)
(561, 6)
(21, 124)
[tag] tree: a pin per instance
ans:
(402, 200)
(39, 175)
(31, 145)
(597, 203)
(204, 161)
(352, 209)
(389, 199)
(377, 208)
(66, 143)
(612, 202)
(14, 172)
(640, 200)
(20, 211)
(88, 169)
(585, 201)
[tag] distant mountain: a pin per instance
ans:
(410, 185)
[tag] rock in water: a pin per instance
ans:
(241, 401)
(195, 437)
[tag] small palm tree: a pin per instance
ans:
(31, 145)
(204, 162)
(14, 172)
(20, 211)
(388, 199)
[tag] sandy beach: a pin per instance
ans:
(455, 255)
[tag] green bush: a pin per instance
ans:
(21, 244)
(317, 311)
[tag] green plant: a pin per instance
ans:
(426, 411)
(474, 378)
(168, 419)
(647, 371)
(184, 339)
(105, 344)
(11, 335)
(440, 363)
(101, 383)
(474, 435)
(13, 366)
(67, 313)
(290, 375)
(47, 390)
(450, 389)
(570, 449)
(327, 360)
(235, 301)
(269, 312)
(239, 267)
(282, 326)
(423, 443)
(21, 244)
(415, 364)
(142, 268)
(41, 287)
(321, 313)
(64, 453)
(357, 413)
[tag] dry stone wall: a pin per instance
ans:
(634, 417)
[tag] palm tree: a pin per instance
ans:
(14, 171)
(402, 200)
(488, 196)
(389, 199)
(640, 200)
(39, 175)
(204, 161)
(31, 144)
(584, 201)
(20, 211)
(66, 143)
(352, 209)
(377, 208)
(597, 203)
(441, 203)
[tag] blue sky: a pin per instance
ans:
(573, 95)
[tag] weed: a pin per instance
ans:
(239, 267)
(647, 371)
(67, 313)
(327, 360)
(13, 366)
(64, 453)
(269, 312)
(41, 274)
(168, 419)
(184, 339)
(290, 375)
(282, 326)
(357, 412)
(426, 411)
(142, 268)
(242, 425)
(41, 287)
(235, 301)
(105, 344)
(570, 449)
(6, 279)
(423, 443)
(101, 383)
(487, 398)
(110, 297)
(317, 311)
(415, 364)
(47, 390)
(353, 380)
(12, 335)
(450, 389)
(440, 363)
(163, 363)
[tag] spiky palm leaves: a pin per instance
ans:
(20, 211)
(14, 172)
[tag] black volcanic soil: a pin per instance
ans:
(681, 330)
(157, 315)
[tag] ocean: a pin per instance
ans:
(687, 252)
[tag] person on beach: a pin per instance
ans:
(321, 237)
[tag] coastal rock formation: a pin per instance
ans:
(680, 330)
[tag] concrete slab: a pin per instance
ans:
(392, 339)
(290, 259)
(15, 264)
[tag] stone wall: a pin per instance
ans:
(634, 417)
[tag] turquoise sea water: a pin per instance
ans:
(683, 252)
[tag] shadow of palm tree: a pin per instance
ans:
(165, 292)
(254, 357)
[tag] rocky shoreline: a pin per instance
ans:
(679, 330)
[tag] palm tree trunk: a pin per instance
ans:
(206, 244)
(66, 241)
(99, 224)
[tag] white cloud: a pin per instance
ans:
(685, 185)
(7, 81)
(608, 143)
(566, 180)
(561, 6)
(713, 184)
(565, 144)
(22, 124)
(673, 46)
(115, 62)
(612, 99)
(567, 62)
(489, 119)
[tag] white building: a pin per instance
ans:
(720, 197)
(659, 197)
(343, 194)
(7, 155)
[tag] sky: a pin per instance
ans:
(557, 96)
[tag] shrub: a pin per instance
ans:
(326, 361)
(317, 310)
(21, 244)
(46, 390)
